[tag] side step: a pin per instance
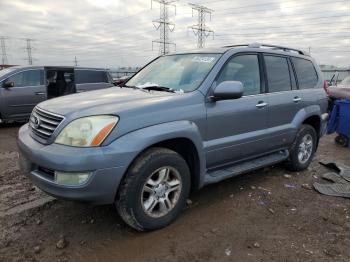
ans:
(244, 167)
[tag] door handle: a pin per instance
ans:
(39, 93)
(261, 105)
(296, 99)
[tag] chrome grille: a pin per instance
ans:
(44, 123)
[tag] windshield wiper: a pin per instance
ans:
(153, 87)
(134, 87)
(159, 88)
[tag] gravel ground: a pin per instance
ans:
(268, 215)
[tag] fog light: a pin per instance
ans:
(71, 178)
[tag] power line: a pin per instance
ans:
(164, 25)
(201, 30)
(4, 59)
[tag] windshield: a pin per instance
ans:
(346, 81)
(182, 73)
(6, 71)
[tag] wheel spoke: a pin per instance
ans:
(151, 182)
(164, 205)
(174, 185)
(150, 203)
(148, 189)
(164, 175)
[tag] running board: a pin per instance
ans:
(246, 166)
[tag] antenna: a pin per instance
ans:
(200, 29)
(4, 59)
(75, 61)
(164, 25)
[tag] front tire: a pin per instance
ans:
(154, 190)
(303, 149)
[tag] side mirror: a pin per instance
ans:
(228, 90)
(9, 84)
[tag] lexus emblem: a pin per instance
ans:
(36, 121)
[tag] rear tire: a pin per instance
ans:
(154, 190)
(303, 149)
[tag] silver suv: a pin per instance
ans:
(184, 121)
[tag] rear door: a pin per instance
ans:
(309, 82)
(87, 79)
(237, 128)
(28, 91)
(284, 99)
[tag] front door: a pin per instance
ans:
(236, 129)
(28, 91)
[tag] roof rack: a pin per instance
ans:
(273, 47)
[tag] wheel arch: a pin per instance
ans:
(186, 149)
(182, 137)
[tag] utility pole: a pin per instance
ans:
(29, 49)
(200, 29)
(4, 59)
(164, 25)
(75, 61)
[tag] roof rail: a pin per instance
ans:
(274, 47)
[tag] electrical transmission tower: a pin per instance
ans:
(29, 49)
(4, 59)
(200, 29)
(75, 61)
(164, 25)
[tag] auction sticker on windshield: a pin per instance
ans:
(203, 59)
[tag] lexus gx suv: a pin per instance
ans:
(184, 121)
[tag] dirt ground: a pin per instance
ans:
(268, 215)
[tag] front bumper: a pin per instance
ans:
(39, 161)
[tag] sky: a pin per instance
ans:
(113, 33)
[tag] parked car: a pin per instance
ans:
(184, 121)
(120, 81)
(23, 87)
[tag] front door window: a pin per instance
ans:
(26, 78)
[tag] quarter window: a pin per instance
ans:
(243, 68)
(306, 73)
(278, 76)
(90, 76)
(26, 78)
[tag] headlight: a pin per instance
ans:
(87, 132)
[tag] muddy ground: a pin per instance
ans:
(268, 215)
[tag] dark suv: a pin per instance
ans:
(184, 121)
(23, 87)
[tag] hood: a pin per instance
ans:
(105, 101)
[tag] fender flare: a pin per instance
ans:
(305, 113)
(133, 143)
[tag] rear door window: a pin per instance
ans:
(90, 76)
(243, 68)
(278, 76)
(306, 73)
